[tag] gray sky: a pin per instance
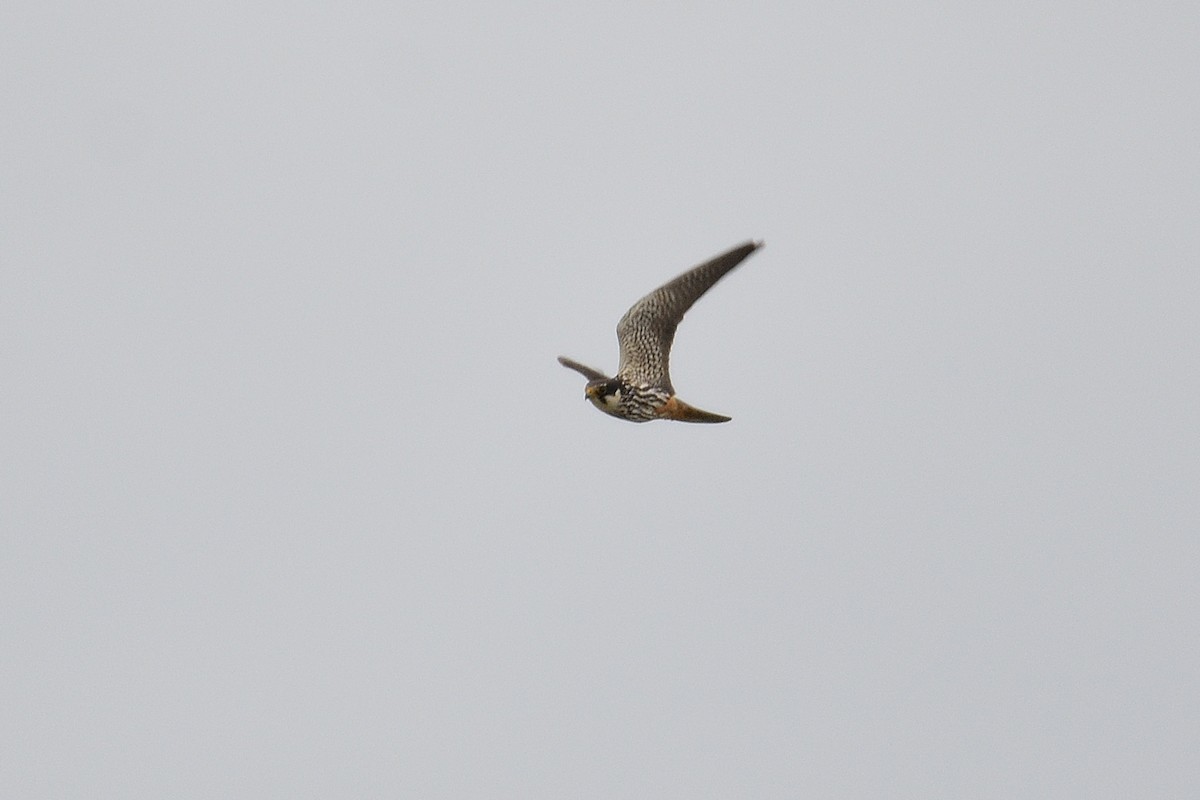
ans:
(297, 503)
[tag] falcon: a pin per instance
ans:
(642, 390)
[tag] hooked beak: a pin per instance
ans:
(591, 392)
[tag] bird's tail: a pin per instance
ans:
(678, 410)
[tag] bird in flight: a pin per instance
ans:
(641, 390)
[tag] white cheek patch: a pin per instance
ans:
(613, 400)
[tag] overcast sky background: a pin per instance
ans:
(297, 503)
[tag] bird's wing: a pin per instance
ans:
(587, 372)
(648, 328)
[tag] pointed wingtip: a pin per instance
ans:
(749, 247)
(696, 415)
(680, 411)
(584, 370)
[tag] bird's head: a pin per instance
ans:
(605, 393)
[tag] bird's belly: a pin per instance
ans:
(613, 407)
